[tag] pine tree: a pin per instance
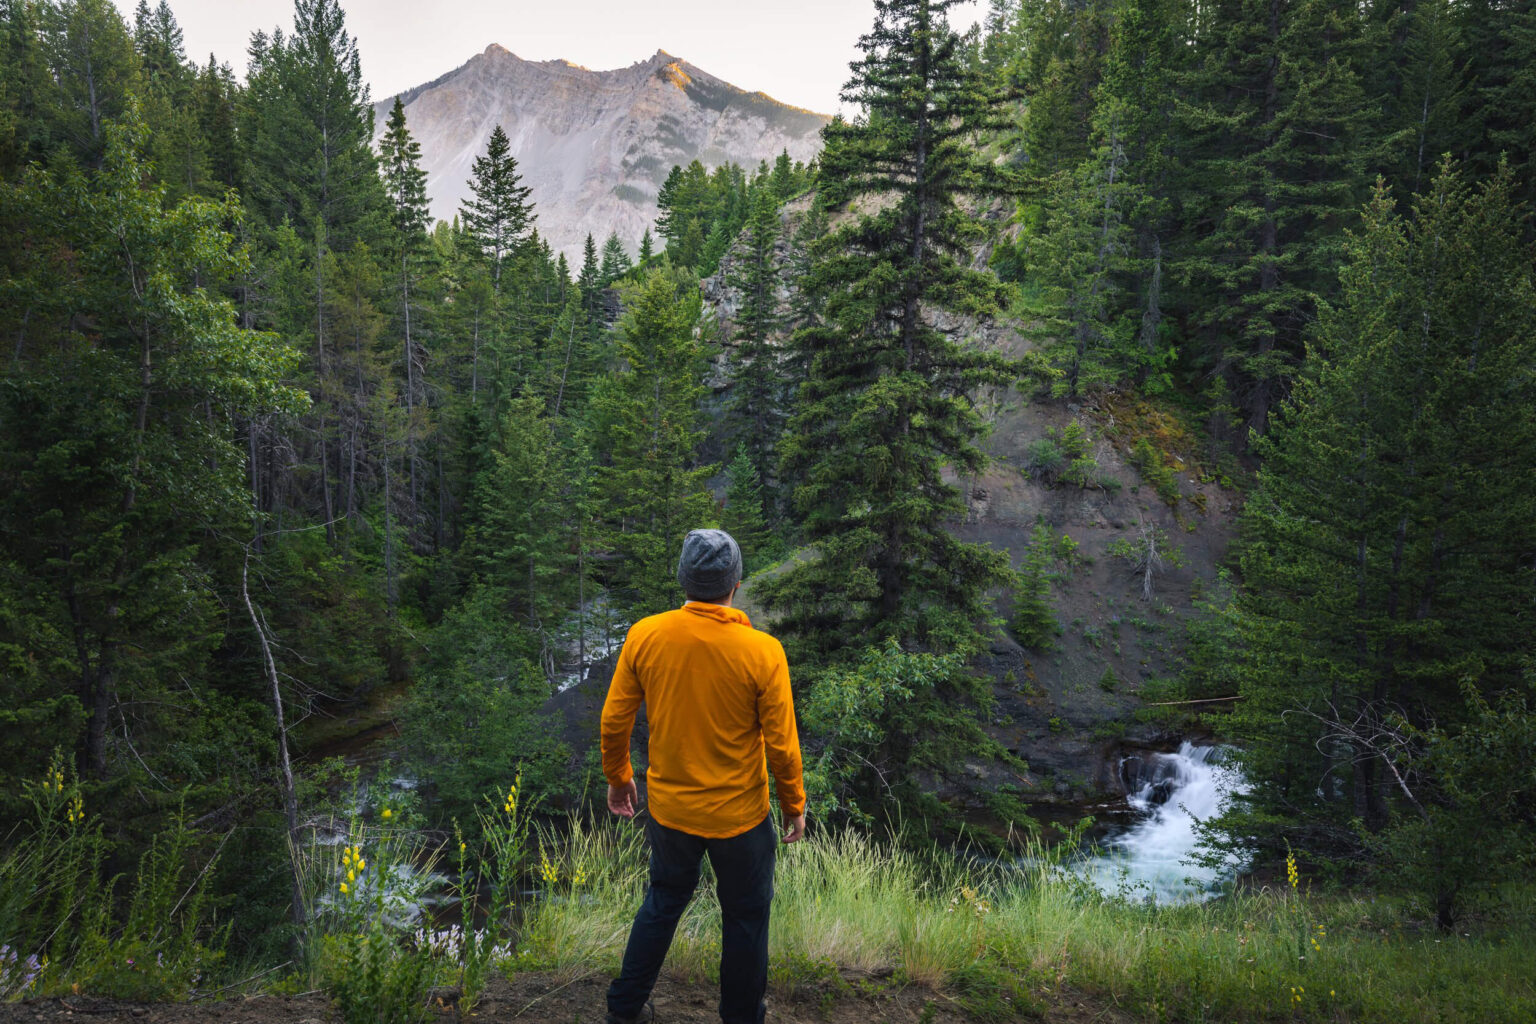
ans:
(312, 181)
(94, 71)
(1383, 562)
(1278, 127)
(885, 407)
(616, 262)
(758, 400)
(1420, 79)
(783, 181)
(518, 542)
(26, 88)
(498, 214)
(405, 187)
(1099, 259)
(744, 515)
(650, 487)
(647, 247)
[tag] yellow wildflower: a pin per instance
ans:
(388, 814)
(343, 888)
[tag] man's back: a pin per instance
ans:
(717, 698)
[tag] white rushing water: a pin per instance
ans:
(1151, 860)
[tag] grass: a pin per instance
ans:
(847, 901)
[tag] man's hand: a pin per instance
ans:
(623, 799)
(794, 828)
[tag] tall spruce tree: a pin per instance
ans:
(647, 427)
(405, 188)
(886, 407)
(312, 181)
(758, 399)
(93, 70)
(1100, 257)
(498, 214)
(1278, 132)
(1387, 551)
(616, 262)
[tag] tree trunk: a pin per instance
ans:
(289, 792)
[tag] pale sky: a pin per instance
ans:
(796, 51)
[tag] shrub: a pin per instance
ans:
(1155, 470)
(1044, 460)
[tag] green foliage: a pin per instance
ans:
(1380, 546)
(744, 518)
(359, 898)
(886, 722)
(120, 451)
(1155, 470)
(59, 905)
(1033, 622)
(1081, 468)
(519, 541)
(884, 411)
(759, 393)
(477, 708)
(1469, 827)
(650, 487)
(374, 979)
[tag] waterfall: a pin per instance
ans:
(1170, 792)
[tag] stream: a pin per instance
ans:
(1149, 860)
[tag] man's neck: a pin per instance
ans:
(724, 602)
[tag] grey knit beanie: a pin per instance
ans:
(710, 565)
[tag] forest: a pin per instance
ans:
(313, 509)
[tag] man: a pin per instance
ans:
(717, 699)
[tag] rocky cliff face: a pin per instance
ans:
(594, 146)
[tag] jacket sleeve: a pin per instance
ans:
(776, 713)
(619, 710)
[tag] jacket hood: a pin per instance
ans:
(718, 612)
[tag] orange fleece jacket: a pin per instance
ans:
(717, 700)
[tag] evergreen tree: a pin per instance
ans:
(647, 247)
(1419, 75)
(94, 71)
(758, 400)
(1385, 547)
(1278, 128)
(650, 487)
(1501, 38)
(885, 407)
(616, 262)
(498, 214)
(119, 454)
(1100, 258)
(783, 181)
(405, 188)
(743, 516)
(26, 89)
(308, 124)
(518, 542)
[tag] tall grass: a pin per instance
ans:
(847, 901)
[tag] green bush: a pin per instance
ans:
(59, 908)
(1155, 470)
(477, 710)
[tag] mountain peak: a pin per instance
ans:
(594, 146)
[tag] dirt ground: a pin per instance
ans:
(547, 999)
